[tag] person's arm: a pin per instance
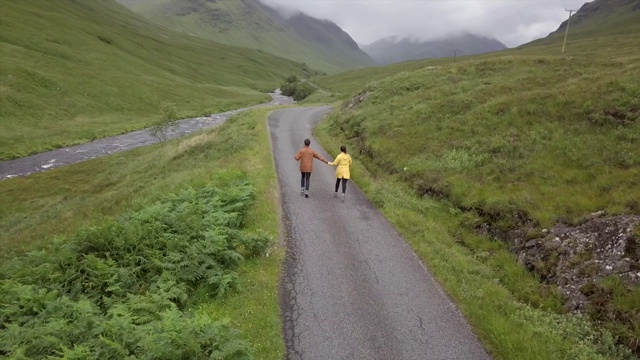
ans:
(317, 156)
(335, 162)
(298, 155)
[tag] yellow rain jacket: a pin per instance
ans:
(343, 162)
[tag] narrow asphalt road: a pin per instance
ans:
(110, 145)
(352, 288)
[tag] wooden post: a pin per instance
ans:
(566, 34)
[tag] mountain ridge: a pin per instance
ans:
(319, 43)
(598, 8)
(394, 49)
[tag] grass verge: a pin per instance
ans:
(512, 313)
(528, 139)
(59, 202)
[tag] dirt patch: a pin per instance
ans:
(616, 116)
(595, 264)
(356, 100)
(577, 257)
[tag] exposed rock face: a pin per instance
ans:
(356, 100)
(577, 257)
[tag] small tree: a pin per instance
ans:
(161, 127)
(292, 79)
(302, 91)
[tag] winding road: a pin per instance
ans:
(352, 287)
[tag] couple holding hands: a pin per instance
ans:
(342, 161)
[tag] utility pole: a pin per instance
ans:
(566, 34)
(455, 55)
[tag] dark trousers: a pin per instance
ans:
(344, 185)
(305, 179)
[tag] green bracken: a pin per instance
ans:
(123, 289)
(59, 202)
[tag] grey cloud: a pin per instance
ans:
(513, 22)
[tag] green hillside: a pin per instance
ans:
(602, 30)
(598, 18)
(73, 71)
(512, 143)
(550, 137)
(67, 215)
(248, 23)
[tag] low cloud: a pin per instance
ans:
(513, 22)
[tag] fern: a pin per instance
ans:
(120, 290)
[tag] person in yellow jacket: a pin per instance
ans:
(343, 173)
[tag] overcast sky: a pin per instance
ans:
(513, 22)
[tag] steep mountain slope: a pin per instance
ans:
(598, 24)
(611, 16)
(72, 71)
(393, 50)
(319, 43)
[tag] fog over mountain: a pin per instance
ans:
(513, 22)
(394, 49)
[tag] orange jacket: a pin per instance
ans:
(305, 156)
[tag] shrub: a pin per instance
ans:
(292, 79)
(299, 90)
(122, 289)
(161, 127)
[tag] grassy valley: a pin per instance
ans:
(140, 205)
(248, 23)
(71, 72)
(457, 156)
(93, 253)
(471, 160)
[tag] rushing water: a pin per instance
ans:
(105, 146)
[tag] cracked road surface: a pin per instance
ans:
(352, 288)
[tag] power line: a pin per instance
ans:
(566, 34)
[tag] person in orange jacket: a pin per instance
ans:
(306, 156)
(343, 173)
